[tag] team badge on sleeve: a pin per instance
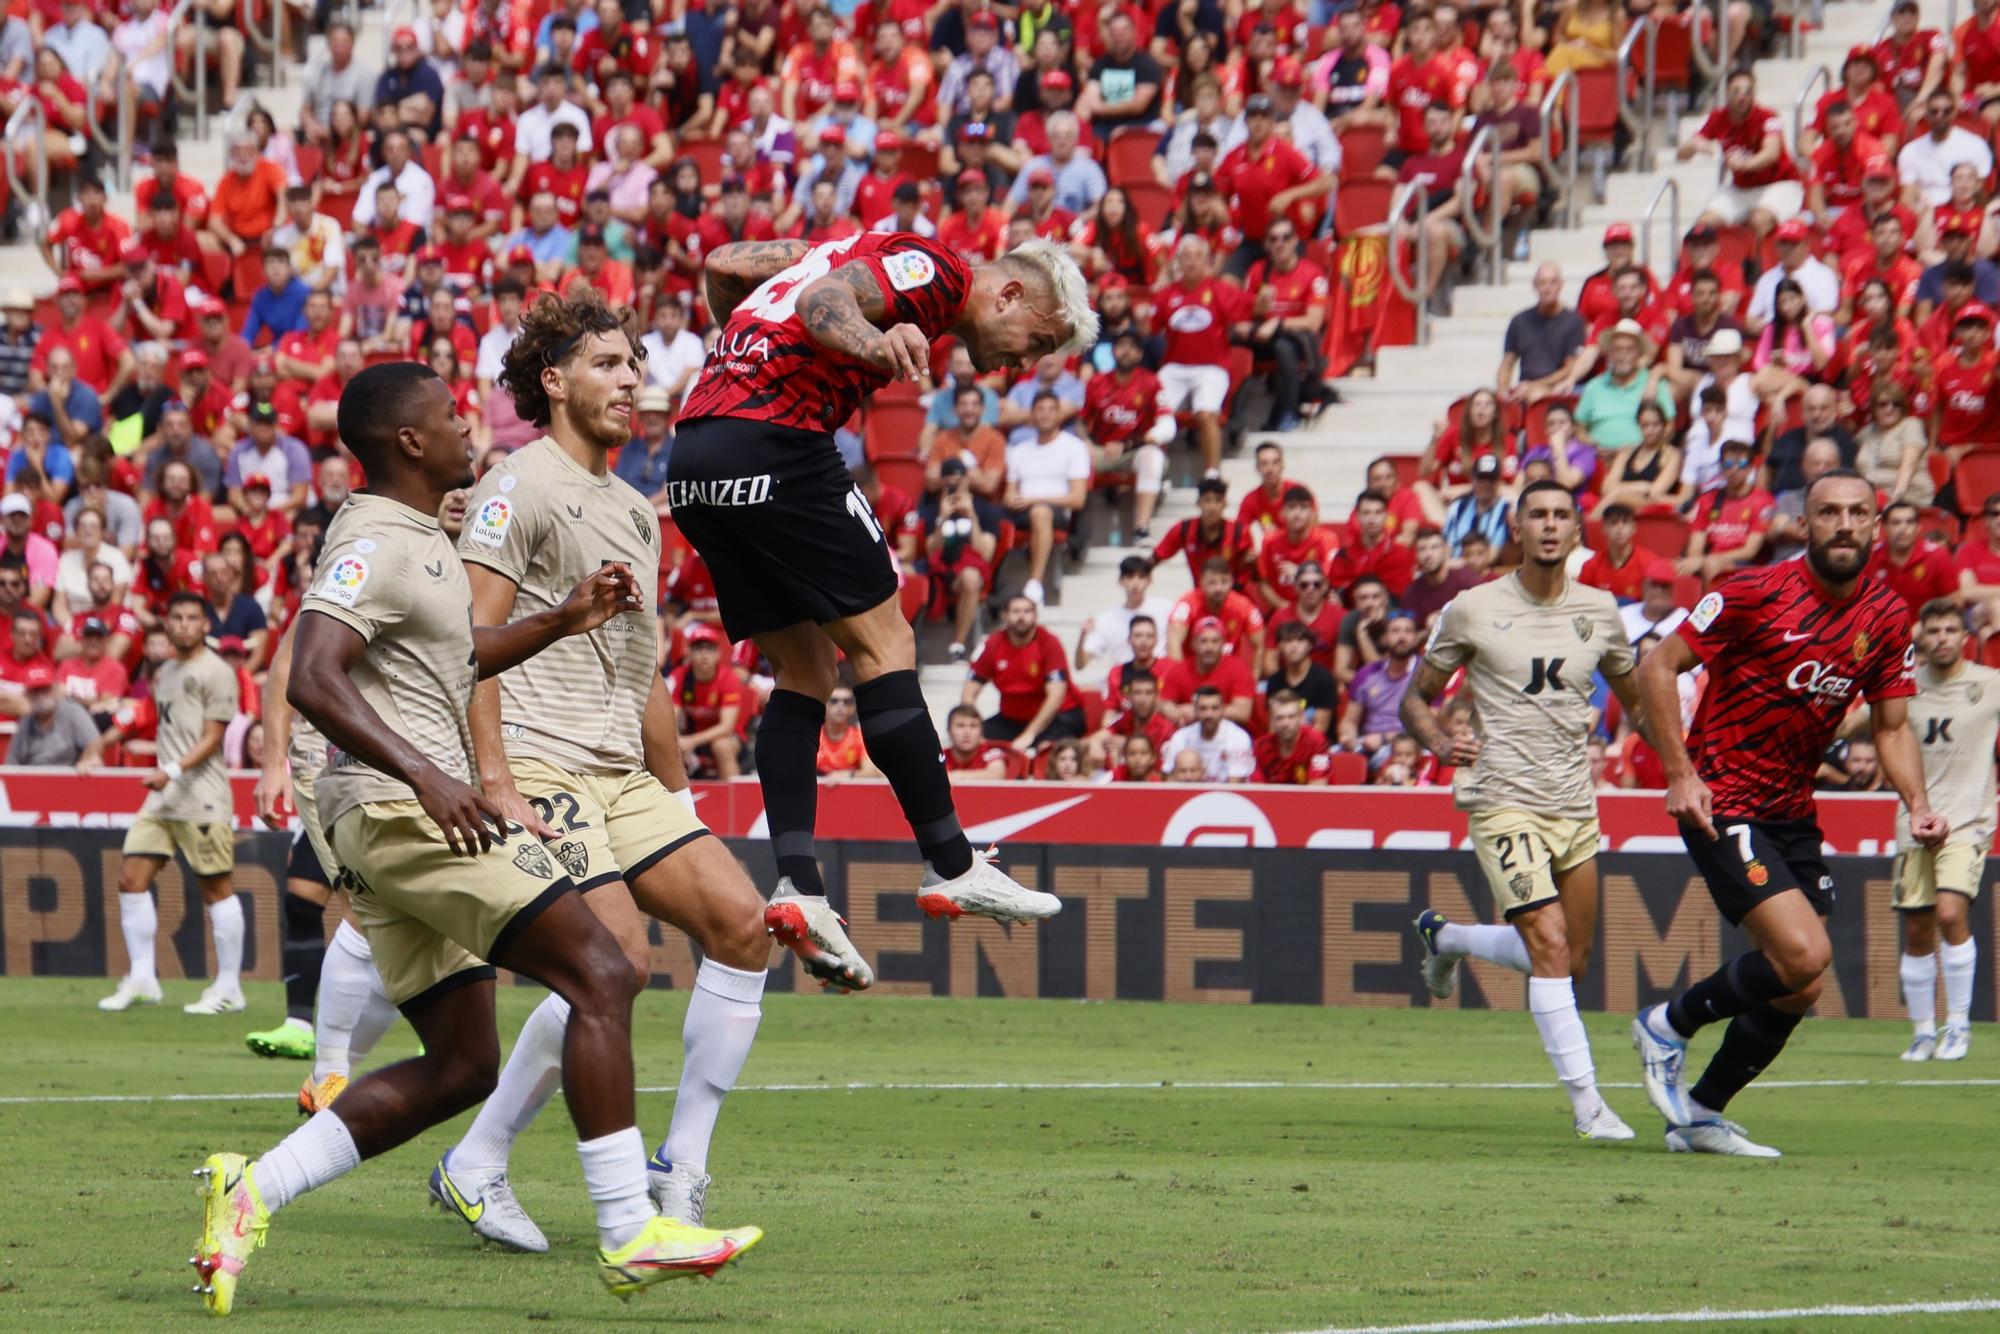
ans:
(908, 268)
(344, 580)
(1705, 612)
(489, 529)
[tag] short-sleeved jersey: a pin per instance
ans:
(1785, 660)
(544, 521)
(1308, 760)
(766, 367)
(1955, 722)
(189, 694)
(388, 573)
(1022, 672)
(1529, 664)
(1118, 409)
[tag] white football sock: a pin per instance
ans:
(314, 1154)
(1960, 961)
(1495, 944)
(225, 924)
(722, 1018)
(1553, 1003)
(140, 921)
(348, 984)
(1919, 975)
(614, 1171)
(527, 1081)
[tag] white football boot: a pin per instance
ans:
(1922, 1047)
(1603, 1123)
(807, 925)
(1662, 1052)
(491, 1212)
(130, 993)
(216, 1000)
(1954, 1041)
(1717, 1135)
(678, 1193)
(984, 891)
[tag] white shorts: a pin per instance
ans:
(1734, 204)
(1197, 388)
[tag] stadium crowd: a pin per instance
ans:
(168, 415)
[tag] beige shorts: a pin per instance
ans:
(431, 916)
(1734, 203)
(1522, 853)
(308, 808)
(210, 849)
(609, 827)
(1921, 872)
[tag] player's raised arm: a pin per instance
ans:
(839, 312)
(736, 270)
(1902, 762)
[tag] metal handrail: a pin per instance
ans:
(30, 110)
(118, 146)
(272, 43)
(1820, 75)
(1721, 64)
(1484, 233)
(1667, 187)
(197, 92)
(1566, 172)
(1399, 204)
(1638, 121)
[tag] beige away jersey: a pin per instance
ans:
(189, 694)
(1529, 667)
(1955, 723)
(389, 573)
(543, 521)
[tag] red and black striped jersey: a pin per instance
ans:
(766, 367)
(1786, 660)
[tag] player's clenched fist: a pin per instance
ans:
(902, 351)
(611, 591)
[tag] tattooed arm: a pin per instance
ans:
(840, 311)
(737, 270)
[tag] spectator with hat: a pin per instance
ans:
(282, 461)
(642, 461)
(1607, 413)
(227, 356)
(266, 528)
(1760, 184)
(91, 657)
(713, 705)
(53, 729)
(1595, 300)
(1655, 612)
(986, 53)
(1484, 509)
(152, 301)
(27, 550)
(1926, 162)
(973, 230)
(1732, 525)
(411, 84)
(1796, 262)
(1266, 180)
(20, 335)
(1957, 239)
(1967, 412)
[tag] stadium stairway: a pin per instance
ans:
(1412, 387)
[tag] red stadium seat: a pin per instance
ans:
(1151, 201)
(1687, 591)
(1989, 653)
(889, 430)
(1597, 102)
(1362, 148)
(1406, 467)
(1130, 157)
(1673, 57)
(919, 159)
(1360, 205)
(1664, 534)
(1939, 525)
(1978, 478)
(247, 274)
(1535, 424)
(1017, 765)
(310, 160)
(707, 155)
(1347, 768)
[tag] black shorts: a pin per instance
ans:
(1749, 861)
(304, 861)
(786, 534)
(1069, 723)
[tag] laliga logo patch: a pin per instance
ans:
(1705, 612)
(489, 529)
(343, 582)
(911, 268)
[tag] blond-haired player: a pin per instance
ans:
(1955, 717)
(1529, 644)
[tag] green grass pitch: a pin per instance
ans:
(1161, 1206)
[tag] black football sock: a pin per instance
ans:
(788, 771)
(1749, 1045)
(1742, 984)
(304, 953)
(903, 744)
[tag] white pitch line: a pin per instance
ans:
(1700, 1317)
(1092, 1086)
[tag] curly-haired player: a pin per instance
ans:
(799, 563)
(578, 744)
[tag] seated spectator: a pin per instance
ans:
(225, 355)
(27, 550)
(1916, 569)
(1436, 165)
(1048, 482)
(1261, 505)
(125, 527)
(1925, 162)
(1066, 763)
(1796, 263)
(1136, 711)
(642, 461)
(282, 461)
(1437, 580)
(1371, 719)
(1542, 343)
(306, 353)
(1620, 568)
(178, 444)
(1127, 431)
(966, 432)
(1293, 752)
(1794, 351)
(1225, 750)
(54, 729)
(371, 312)
(1287, 316)
(317, 243)
(842, 754)
(73, 569)
(1200, 314)
(1607, 413)
(1485, 510)
(1106, 637)
(1210, 536)
(267, 531)
(1632, 298)
(1731, 526)
(104, 600)
(1017, 407)
(1852, 766)
(1760, 184)
(87, 242)
(1406, 512)
(673, 354)
(1690, 336)
(1297, 673)
(1140, 761)
(1300, 542)
(99, 354)
(1215, 597)
(1819, 409)
(24, 658)
(1890, 449)
(1647, 474)
(1967, 412)
(1143, 640)
(712, 705)
(1979, 568)
(245, 204)
(1403, 765)
(1359, 640)
(969, 755)
(1444, 473)
(93, 674)
(1027, 665)
(1371, 550)
(70, 408)
(1209, 664)
(232, 612)
(1655, 613)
